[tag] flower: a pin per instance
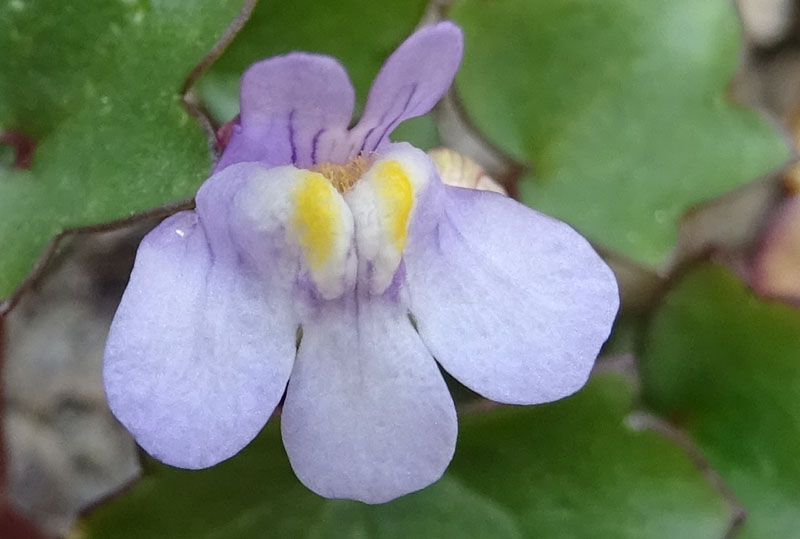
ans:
(335, 265)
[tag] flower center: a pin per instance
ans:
(344, 177)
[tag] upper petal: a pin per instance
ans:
(200, 349)
(409, 84)
(367, 414)
(512, 303)
(294, 109)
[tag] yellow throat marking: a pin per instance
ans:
(317, 219)
(397, 198)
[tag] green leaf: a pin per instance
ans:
(569, 469)
(575, 469)
(96, 83)
(359, 34)
(727, 366)
(620, 105)
(256, 495)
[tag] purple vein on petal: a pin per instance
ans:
(314, 143)
(371, 129)
(364, 142)
(397, 120)
(291, 136)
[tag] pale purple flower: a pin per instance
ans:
(352, 244)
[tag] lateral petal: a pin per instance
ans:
(514, 304)
(199, 351)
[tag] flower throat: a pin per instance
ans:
(344, 177)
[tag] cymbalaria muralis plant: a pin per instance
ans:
(353, 244)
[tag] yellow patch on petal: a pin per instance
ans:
(317, 219)
(397, 197)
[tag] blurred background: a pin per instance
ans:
(664, 131)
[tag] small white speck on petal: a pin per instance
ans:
(180, 232)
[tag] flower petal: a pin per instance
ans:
(409, 84)
(199, 351)
(294, 109)
(512, 303)
(367, 414)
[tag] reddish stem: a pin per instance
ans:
(23, 145)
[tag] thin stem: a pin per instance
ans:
(188, 97)
(219, 47)
(645, 420)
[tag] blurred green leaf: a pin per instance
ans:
(575, 469)
(421, 131)
(726, 366)
(256, 494)
(96, 83)
(359, 34)
(568, 469)
(620, 105)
